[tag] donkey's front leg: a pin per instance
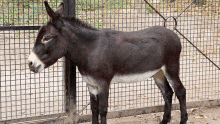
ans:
(94, 100)
(103, 100)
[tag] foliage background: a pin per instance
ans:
(32, 12)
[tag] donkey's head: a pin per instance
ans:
(50, 45)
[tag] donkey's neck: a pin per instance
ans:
(78, 23)
(80, 30)
(80, 37)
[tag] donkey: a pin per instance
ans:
(105, 56)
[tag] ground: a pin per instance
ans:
(202, 115)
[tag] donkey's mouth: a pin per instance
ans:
(37, 69)
(33, 69)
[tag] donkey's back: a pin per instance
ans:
(144, 50)
(160, 34)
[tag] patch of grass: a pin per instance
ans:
(99, 23)
(32, 12)
(149, 9)
(200, 7)
(93, 5)
(98, 6)
(90, 5)
(25, 12)
(200, 2)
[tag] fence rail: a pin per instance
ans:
(25, 96)
(2, 28)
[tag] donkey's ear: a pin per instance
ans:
(60, 9)
(53, 16)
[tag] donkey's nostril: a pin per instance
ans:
(30, 63)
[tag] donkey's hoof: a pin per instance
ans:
(183, 122)
(184, 119)
(163, 122)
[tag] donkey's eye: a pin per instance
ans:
(47, 38)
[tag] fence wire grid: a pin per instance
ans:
(199, 24)
(24, 94)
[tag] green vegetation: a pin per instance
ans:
(199, 7)
(32, 12)
(93, 5)
(149, 9)
(25, 12)
(87, 8)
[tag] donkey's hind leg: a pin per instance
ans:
(167, 93)
(172, 75)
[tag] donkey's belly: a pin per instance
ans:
(129, 78)
(132, 78)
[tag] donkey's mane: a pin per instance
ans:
(78, 23)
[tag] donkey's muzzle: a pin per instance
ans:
(34, 63)
(33, 68)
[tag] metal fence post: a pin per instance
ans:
(70, 68)
(0, 96)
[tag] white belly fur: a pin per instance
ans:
(131, 78)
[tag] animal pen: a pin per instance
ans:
(26, 97)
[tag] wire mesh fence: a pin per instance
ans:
(25, 12)
(199, 23)
(24, 94)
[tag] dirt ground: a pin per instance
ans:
(203, 115)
